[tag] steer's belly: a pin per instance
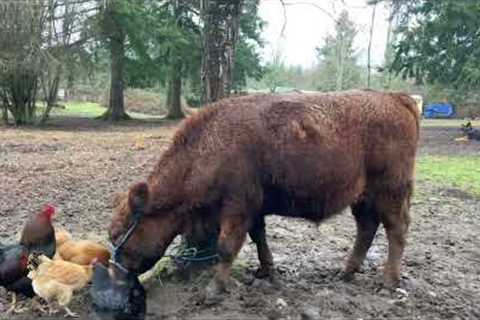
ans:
(315, 206)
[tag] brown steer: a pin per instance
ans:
(308, 156)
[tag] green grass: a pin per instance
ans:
(449, 123)
(462, 172)
(86, 109)
(80, 109)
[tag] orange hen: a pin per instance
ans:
(56, 281)
(81, 252)
(62, 236)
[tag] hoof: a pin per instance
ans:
(347, 276)
(214, 294)
(264, 272)
(391, 277)
(269, 275)
(391, 283)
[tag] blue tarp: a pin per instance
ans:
(439, 110)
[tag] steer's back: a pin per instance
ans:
(323, 152)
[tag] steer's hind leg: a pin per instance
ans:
(258, 235)
(394, 214)
(367, 221)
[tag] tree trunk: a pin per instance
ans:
(369, 59)
(341, 66)
(220, 34)
(116, 107)
(50, 90)
(5, 114)
(174, 94)
(21, 116)
(212, 88)
(117, 37)
(389, 50)
(230, 45)
(69, 90)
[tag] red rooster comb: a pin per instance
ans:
(24, 260)
(48, 210)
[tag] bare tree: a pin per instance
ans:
(369, 58)
(37, 38)
(21, 57)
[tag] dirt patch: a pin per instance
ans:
(456, 193)
(78, 165)
(441, 141)
(30, 148)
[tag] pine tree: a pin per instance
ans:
(338, 69)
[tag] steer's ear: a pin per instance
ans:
(138, 199)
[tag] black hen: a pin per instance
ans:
(14, 270)
(474, 134)
(470, 132)
(117, 294)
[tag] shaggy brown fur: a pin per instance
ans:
(307, 155)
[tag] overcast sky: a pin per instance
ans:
(308, 25)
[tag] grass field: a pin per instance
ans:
(447, 123)
(461, 172)
(87, 110)
(80, 109)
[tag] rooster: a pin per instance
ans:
(56, 281)
(117, 294)
(38, 235)
(13, 271)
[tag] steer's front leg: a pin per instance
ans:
(233, 231)
(258, 234)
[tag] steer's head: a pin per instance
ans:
(150, 238)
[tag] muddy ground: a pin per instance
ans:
(79, 164)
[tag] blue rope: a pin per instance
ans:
(118, 247)
(193, 255)
(195, 259)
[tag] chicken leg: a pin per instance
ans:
(51, 309)
(69, 313)
(13, 306)
(38, 305)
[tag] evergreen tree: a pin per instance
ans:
(442, 45)
(338, 68)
